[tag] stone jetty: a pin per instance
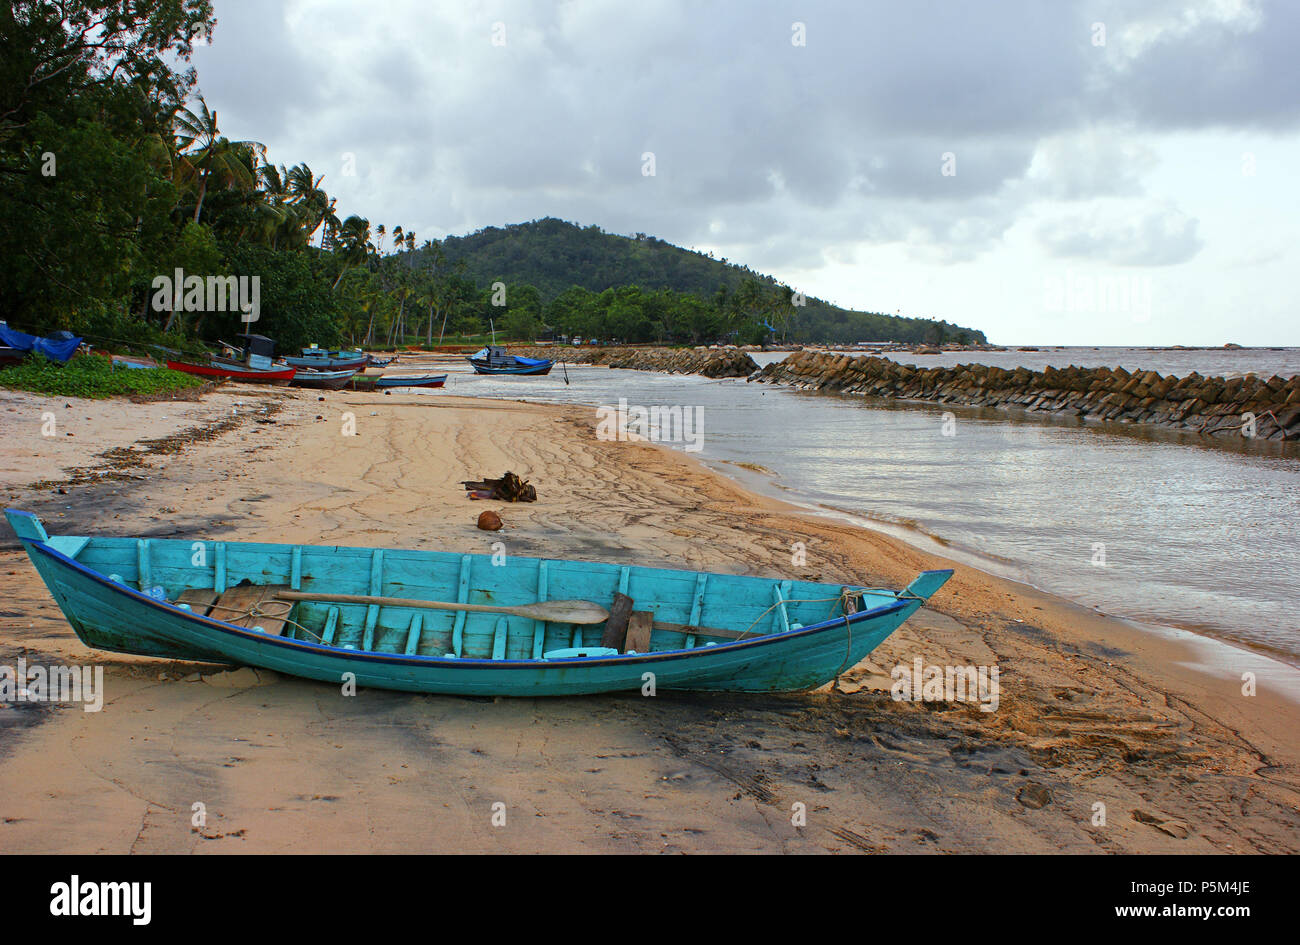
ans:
(710, 362)
(1246, 406)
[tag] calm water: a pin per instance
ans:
(1214, 361)
(1155, 527)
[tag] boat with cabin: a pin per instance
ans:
(494, 359)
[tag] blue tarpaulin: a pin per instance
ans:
(58, 347)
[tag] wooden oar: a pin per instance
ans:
(557, 611)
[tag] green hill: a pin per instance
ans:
(554, 256)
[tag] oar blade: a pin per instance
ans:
(565, 611)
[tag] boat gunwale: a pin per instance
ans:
(450, 662)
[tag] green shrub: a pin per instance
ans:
(89, 375)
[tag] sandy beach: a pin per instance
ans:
(1096, 717)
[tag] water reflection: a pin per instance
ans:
(1150, 524)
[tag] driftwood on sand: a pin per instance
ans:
(509, 488)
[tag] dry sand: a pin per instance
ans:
(1093, 711)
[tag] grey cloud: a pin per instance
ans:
(795, 148)
(1151, 236)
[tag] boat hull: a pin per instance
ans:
(536, 370)
(277, 378)
(109, 614)
(362, 382)
(323, 380)
(328, 363)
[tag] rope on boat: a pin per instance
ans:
(848, 649)
(257, 611)
(844, 597)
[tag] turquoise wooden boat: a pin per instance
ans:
(688, 630)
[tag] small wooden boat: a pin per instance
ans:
(314, 351)
(494, 360)
(133, 363)
(324, 361)
(437, 621)
(381, 362)
(252, 360)
(278, 377)
(323, 380)
(385, 382)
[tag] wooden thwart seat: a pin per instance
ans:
(252, 605)
(199, 600)
(640, 625)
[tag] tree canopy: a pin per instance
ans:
(115, 172)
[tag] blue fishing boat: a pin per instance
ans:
(494, 360)
(323, 380)
(442, 622)
(390, 381)
(321, 360)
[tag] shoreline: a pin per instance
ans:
(940, 547)
(766, 482)
(1093, 708)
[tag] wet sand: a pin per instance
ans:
(1092, 710)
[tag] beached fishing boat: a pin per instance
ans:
(314, 351)
(442, 622)
(385, 382)
(133, 363)
(253, 359)
(278, 377)
(494, 360)
(323, 380)
(325, 361)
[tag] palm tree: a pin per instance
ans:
(205, 154)
(330, 224)
(313, 203)
(355, 246)
(401, 293)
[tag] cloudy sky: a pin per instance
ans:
(1051, 171)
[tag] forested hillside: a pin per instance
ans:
(554, 256)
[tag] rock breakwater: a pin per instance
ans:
(1248, 406)
(709, 362)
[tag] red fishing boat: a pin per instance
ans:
(278, 377)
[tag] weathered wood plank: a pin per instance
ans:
(616, 627)
(142, 559)
(697, 606)
(413, 635)
(781, 617)
(200, 600)
(499, 640)
(253, 605)
(640, 624)
(376, 589)
(331, 626)
(462, 595)
(539, 628)
(219, 577)
(691, 630)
